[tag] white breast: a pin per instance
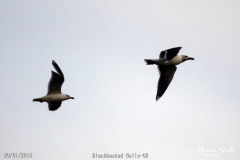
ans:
(175, 61)
(54, 97)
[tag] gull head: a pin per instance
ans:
(68, 97)
(185, 58)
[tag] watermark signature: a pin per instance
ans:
(216, 151)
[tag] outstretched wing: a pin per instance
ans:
(169, 53)
(166, 76)
(53, 106)
(56, 81)
(57, 68)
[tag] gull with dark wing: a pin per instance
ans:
(54, 96)
(168, 59)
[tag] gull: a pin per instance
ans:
(168, 59)
(54, 96)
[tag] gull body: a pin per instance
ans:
(162, 61)
(168, 59)
(54, 96)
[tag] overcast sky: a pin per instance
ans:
(100, 47)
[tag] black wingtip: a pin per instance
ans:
(55, 65)
(177, 48)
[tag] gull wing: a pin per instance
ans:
(56, 81)
(169, 53)
(166, 76)
(53, 106)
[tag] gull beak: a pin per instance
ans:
(190, 58)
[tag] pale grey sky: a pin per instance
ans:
(100, 47)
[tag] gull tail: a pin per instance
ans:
(37, 100)
(149, 61)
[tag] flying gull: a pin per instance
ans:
(166, 63)
(54, 96)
